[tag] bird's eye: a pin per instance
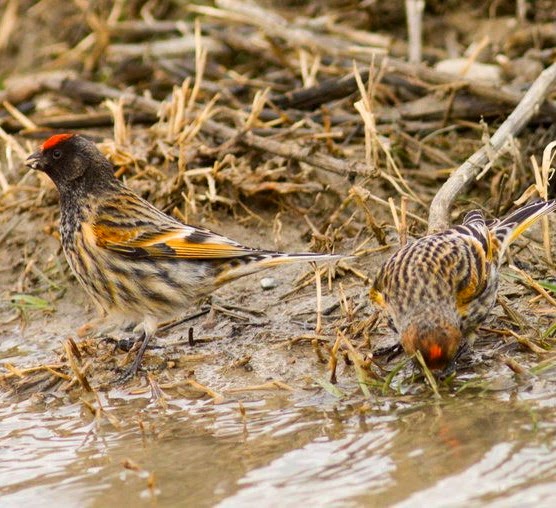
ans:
(56, 154)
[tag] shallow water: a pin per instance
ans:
(284, 449)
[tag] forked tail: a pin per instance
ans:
(239, 267)
(509, 228)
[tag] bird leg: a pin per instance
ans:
(130, 371)
(145, 331)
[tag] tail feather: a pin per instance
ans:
(512, 226)
(258, 262)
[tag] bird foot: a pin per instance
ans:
(125, 345)
(448, 371)
(388, 351)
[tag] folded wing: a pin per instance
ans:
(172, 241)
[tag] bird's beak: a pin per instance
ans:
(34, 161)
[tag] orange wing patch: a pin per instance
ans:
(468, 293)
(107, 236)
(164, 244)
(475, 285)
(493, 243)
(185, 249)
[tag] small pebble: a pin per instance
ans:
(269, 283)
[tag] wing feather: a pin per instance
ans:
(133, 227)
(173, 241)
(474, 225)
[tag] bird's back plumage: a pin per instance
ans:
(449, 279)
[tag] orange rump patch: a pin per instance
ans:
(54, 140)
(435, 352)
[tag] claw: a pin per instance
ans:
(126, 344)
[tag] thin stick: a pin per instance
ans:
(318, 327)
(394, 214)
(295, 35)
(535, 285)
(291, 151)
(414, 13)
(402, 231)
(19, 116)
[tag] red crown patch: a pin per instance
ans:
(54, 140)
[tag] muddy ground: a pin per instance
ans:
(254, 196)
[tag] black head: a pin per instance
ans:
(73, 163)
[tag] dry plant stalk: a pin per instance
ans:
(200, 65)
(372, 140)
(542, 176)
(121, 131)
(333, 360)
(8, 23)
(308, 72)
(215, 396)
(528, 343)
(72, 354)
(535, 285)
(363, 378)
(318, 326)
(271, 385)
(414, 14)
(365, 109)
(257, 106)
(400, 222)
(483, 43)
(402, 232)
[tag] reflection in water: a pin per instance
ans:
(283, 452)
(319, 474)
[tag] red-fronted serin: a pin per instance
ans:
(439, 288)
(139, 265)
